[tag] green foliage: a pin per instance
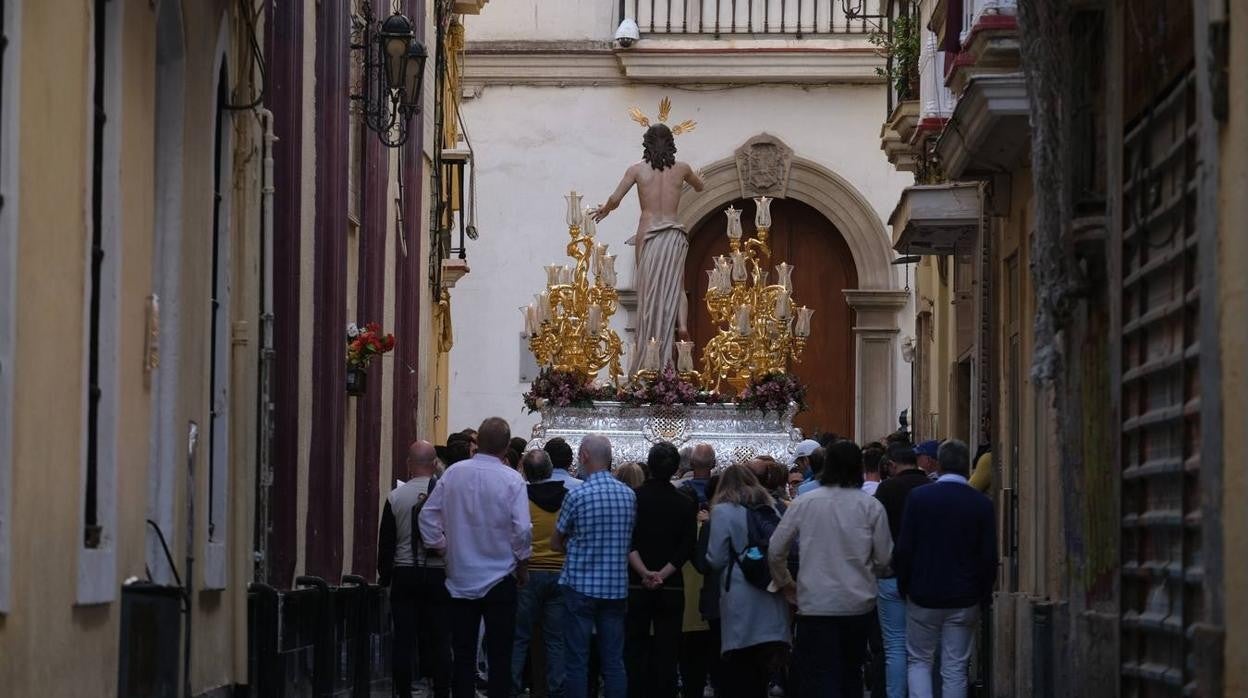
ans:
(901, 44)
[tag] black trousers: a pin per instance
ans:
(747, 671)
(651, 659)
(498, 609)
(699, 661)
(419, 608)
(829, 653)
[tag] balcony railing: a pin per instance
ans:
(720, 18)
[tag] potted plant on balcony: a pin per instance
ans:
(363, 345)
(900, 44)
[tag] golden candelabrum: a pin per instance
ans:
(567, 324)
(761, 329)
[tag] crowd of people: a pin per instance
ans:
(519, 570)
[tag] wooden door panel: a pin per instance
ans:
(823, 268)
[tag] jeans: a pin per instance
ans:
(952, 630)
(584, 613)
(498, 609)
(540, 599)
(828, 654)
(892, 612)
(652, 659)
(419, 604)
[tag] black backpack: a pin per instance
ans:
(760, 521)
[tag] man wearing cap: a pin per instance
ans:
(801, 458)
(925, 453)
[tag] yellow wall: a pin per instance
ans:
(46, 628)
(1233, 305)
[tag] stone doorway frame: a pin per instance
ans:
(876, 302)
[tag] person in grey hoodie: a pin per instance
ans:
(754, 624)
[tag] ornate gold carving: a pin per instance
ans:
(762, 329)
(568, 324)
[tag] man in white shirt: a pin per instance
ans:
(479, 515)
(872, 457)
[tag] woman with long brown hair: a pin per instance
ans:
(754, 623)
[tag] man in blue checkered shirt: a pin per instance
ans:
(595, 528)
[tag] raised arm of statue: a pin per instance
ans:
(694, 179)
(630, 177)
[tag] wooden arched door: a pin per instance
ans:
(824, 267)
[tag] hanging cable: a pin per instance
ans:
(257, 56)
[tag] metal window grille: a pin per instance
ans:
(1162, 573)
(717, 18)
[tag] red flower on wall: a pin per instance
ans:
(365, 344)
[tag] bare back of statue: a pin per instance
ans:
(660, 242)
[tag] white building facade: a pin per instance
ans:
(788, 103)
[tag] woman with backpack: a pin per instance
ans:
(844, 543)
(754, 622)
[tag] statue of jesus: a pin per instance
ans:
(661, 242)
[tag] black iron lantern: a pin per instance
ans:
(413, 75)
(393, 39)
(394, 65)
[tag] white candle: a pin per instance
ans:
(650, 360)
(684, 356)
(762, 216)
(734, 223)
(803, 321)
(743, 321)
(785, 273)
(588, 226)
(782, 305)
(574, 208)
(738, 266)
(527, 312)
(543, 306)
(595, 320)
(600, 251)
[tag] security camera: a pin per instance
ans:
(628, 33)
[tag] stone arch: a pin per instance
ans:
(821, 188)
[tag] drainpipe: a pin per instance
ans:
(264, 387)
(191, 444)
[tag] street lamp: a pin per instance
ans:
(393, 73)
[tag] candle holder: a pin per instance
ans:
(568, 325)
(762, 329)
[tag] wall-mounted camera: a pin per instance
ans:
(628, 33)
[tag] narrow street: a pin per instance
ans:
(698, 348)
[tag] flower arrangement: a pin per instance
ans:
(364, 344)
(773, 392)
(564, 389)
(667, 388)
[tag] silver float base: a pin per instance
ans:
(737, 435)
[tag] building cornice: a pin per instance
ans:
(758, 61)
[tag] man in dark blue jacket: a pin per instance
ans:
(946, 565)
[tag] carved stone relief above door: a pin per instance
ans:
(763, 166)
